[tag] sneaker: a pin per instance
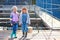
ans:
(22, 36)
(15, 37)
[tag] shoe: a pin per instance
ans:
(22, 36)
(15, 37)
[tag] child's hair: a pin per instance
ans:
(24, 9)
(14, 7)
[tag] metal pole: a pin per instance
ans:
(36, 19)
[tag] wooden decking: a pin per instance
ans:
(42, 35)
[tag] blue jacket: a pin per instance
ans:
(28, 19)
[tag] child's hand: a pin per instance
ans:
(19, 24)
(29, 24)
(11, 24)
(10, 19)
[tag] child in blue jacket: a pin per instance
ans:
(24, 21)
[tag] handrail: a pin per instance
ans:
(30, 18)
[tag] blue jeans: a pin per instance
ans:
(15, 27)
(24, 27)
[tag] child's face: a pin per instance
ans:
(14, 10)
(24, 11)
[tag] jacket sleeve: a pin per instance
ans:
(20, 19)
(28, 18)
